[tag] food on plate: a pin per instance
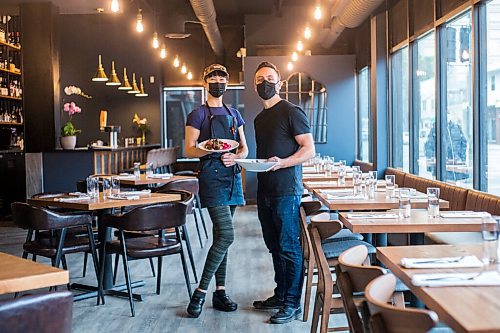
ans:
(216, 144)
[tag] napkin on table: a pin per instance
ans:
(372, 216)
(489, 278)
(464, 214)
(345, 197)
(129, 193)
(161, 176)
(73, 199)
(444, 262)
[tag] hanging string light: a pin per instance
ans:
(115, 6)
(300, 46)
(184, 69)
(163, 52)
(190, 76)
(290, 66)
(177, 62)
(139, 26)
(295, 56)
(317, 13)
(307, 32)
(156, 42)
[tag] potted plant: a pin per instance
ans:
(69, 131)
(142, 126)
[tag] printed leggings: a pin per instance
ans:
(223, 235)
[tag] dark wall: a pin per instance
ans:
(83, 37)
(337, 74)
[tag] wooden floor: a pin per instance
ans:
(250, 277)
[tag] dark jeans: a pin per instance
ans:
(279, 218)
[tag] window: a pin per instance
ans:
(491, 111)
(363, 121)
(423, 106)
(400, 110)
(456, 124)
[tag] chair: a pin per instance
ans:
(384, 317)
(54, 237)
(353, 275)
(42, 313)
(157, 217)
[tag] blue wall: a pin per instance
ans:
(337, 73)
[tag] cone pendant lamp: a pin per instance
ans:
(142, 93)
(100, 75)
(135, 89)
(126, 85)
(113, 79)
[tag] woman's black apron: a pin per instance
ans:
(220, 185)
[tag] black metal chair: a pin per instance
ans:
(157, 217)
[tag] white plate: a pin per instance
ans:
(255, 165)
(233, 144)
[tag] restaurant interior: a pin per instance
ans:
(399, 218)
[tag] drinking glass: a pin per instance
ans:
(137, 170)
(390, 183)
(342, 175)
(356, 168)
(106, 187)
(490, 230)
(149, 169)
(342, 162)
(92, 186)
(357, 181)
(433, 202)
(404, 203)
(115, 185)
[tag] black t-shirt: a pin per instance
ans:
(275, 131)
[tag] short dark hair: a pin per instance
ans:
(268, 65)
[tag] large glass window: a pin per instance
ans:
(457, 126)
(400, 110)
(492, 111)
(424, 105)
(364, 123)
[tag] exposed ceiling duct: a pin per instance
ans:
(205, 12)
(351, 13)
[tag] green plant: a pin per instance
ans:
(69, 129)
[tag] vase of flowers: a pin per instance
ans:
(69, 131)
(142, 126)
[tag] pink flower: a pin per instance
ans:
(72, 105)
(66, 107)
(77, 109)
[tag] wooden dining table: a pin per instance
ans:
(100, 206)
(143, 180)
(464, 309)
(18, 274)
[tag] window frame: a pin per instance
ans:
(359, 131)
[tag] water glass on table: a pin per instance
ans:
(433, 202)
(92, 186)
(356, 168)
(342, 175)
(115, 185)
(390, 184)
(137, 170)
(404, 203)
(357, 181)
(490, 230)
(106, 187)
(149, 169)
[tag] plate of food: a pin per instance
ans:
(255, 165)
(218, 145)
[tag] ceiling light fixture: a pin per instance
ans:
(141, 93)
(190, 76)
(135, 89)
(307, 33)
(177, 62)
(100, 75)
(300, 46)
(115, 6)
(113, 80)
(156, 43)
(139, 26)
(317, 13)
(184, 69)
(163, 52)
(290, 66)
(295, 56)
(126, 85)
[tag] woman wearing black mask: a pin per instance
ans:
(220, 182)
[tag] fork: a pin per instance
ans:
(439, 261)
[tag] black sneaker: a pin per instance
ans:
(196, 304)
(272, 303)
(222, 302)
(286, 315)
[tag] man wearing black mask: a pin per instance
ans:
(220, 182)
(282, 135)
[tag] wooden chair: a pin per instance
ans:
(353, 275)
(384, 317)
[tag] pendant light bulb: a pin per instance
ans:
(156, 43)
(115, 6)
(190, 76)
(177, 63)
(126, 85)
(300, 46)
(163, 52)
(135, 89)
(184, 69)
(100, 75)
(317, 13)
(141, 93)
(295, 56)
(290, 66)
(307, 33)
(113, 79)
(139, 26)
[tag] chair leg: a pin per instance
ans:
(325, 313)
(152, 267)
(85, 259)
(158, 279)
(33, 258)
(307, 296)
(198, 204)
(60, 246)
(115, 270)
(190, 252)
(184, 264)
(65, 267)
(93, 251)
(316, 311)
(127, 273)
(197, 227)
(25, 255)
(100, 294)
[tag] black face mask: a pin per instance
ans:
(216, 89)
(266, 90)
